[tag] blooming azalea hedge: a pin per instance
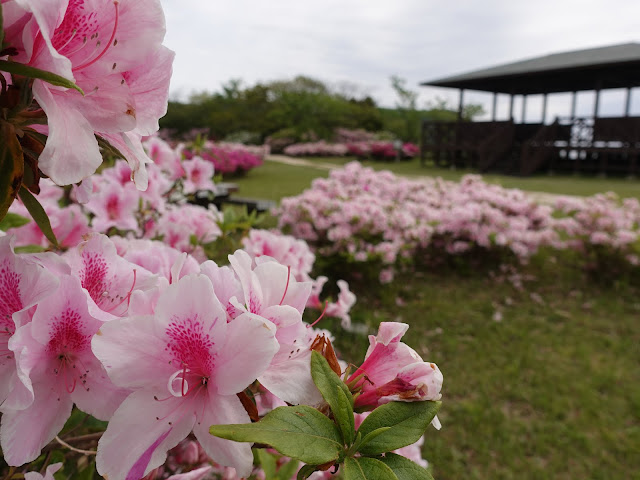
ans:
(229, 158)
(376, 149)
(182, 363)
(360, 215)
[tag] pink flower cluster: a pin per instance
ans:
(316, 149)
(229, 158)
(602, 222)
(346, 135)
(297, 256)
(113, 203)
(382, 150)
(369, 215)
(113, 51)
(146, 338)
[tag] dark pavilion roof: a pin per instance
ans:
(615, 66)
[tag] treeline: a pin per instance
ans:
(302, 109)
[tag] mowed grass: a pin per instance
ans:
(551, 390)
(556, 184)
(273, 181)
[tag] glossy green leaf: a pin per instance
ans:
(404, 468)
(288, 470)
(11, 166)
(267, 462)
(38, 214)
(299, 432)
(29, 249)
(408, 422)
(364, 468)
(12, 220)
(336, 394)
(370, 436)
(32, 72)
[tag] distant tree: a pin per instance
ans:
(442, 106)
(303, 107)
(407, 106)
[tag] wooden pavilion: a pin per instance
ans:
(592, 144)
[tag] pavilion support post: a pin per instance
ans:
(461, 104)
(524, 108)
(494, 107)
(596, 104)
(574, 100)
(511, 107)
(544, 108)
(627, 103)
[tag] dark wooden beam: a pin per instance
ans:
(627, 103)
(494, 107)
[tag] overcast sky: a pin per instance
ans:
(364, 42)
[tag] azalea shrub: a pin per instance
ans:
(228, 159)
(361, 216)
(374, 149)
(179, 356)
(133, 354)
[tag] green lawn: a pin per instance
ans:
(273, 181)
(558, 184)
(550, 391)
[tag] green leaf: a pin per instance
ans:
(408, 422)
(404, 468)
(87, 473)
(364, 468)
(267, 462)
(288, 470)
(29, 249)
(12, 220)
(32, 72)
(371, 435)
(336, 394)
(299, 432)
(38, 214)
(306, 471)
(11, 166)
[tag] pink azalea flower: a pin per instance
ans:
(107, 278)
(113, 206)
(185, 364)
(340, 309)
(165, 157)
(112, 50)
(198, 176)
(155, 256)
(271, 292)
(22, 285)
(393, 371)
(48, 475)
(57, 369)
